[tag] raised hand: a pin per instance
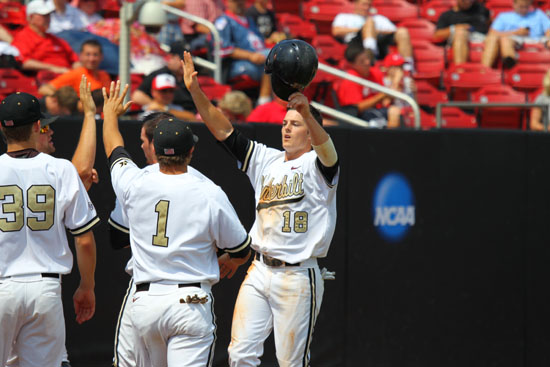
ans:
(88, 104)
(189, 72)
(297, 101)
(114, 102)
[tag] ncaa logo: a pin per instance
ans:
(393, 207)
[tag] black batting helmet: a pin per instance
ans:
(292, 65)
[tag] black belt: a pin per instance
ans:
(145, 286)
(271, 261)
(51, 275)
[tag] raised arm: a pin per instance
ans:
(84, 155)
(112, 109)
(214, 119)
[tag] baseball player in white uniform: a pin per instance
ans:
(40, 196)
(83, 160)
(295, 193)
(175, 261)
(119, 235)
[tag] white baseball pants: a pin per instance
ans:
(285, 299)
(124, 334)
(169, 332)
(31, 320)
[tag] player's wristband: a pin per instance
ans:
(326, 153)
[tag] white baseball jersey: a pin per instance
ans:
(174, 223)
(295, 205)
(119, 220)
(39, 198)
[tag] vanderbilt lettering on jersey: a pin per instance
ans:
(285, 192)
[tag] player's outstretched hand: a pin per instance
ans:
(88, 104)
(84, 304)
(114, 102)
(297, 101)
(189, 72)
(229, 266)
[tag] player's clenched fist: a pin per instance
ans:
(297, 101)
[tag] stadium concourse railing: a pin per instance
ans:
(216, 68)
(472, 105)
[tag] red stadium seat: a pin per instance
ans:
(462, 79)
(498, 6)
(433, 9)
(429, 61)
(287, 6)
(534, 54)
(505, 117)
(323, 12)
(419, 29)
(12, 14)
(428, 95)
(525, 78)
(11, 81)
(212, 89)
(328, 48)
(296, 27)
(395, 10)
(474, 53)
(451, 117)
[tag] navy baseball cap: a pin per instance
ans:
(19, 109)
(173, 137)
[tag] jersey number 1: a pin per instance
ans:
(40, 199)
(300, 222)
(160, 239)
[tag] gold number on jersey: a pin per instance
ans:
(300, 222)
(15, 207)
(41, 199)
(160, 239)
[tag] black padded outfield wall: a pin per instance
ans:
(441, 249)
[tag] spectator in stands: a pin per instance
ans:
(362, 102)
(66, 17)
(375, 32)
(273, 112)
(396, 78)
(39, 50)
(196, 34)
(511, 30)
(63, 102)
(468, 20)
(243, 47)
(236, 106)
(536, 122)
(162, 91)
(265, 21)
(171, 31)
(143, 96)
(90, 11)
(90, 56)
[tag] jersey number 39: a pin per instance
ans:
(40, 199)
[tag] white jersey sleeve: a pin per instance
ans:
(124, 172)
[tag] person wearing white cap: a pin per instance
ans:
(162, 91)
(40, 50)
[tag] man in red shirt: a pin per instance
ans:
(272, 112)
(41, 51)
(366, 103)
(90, 56)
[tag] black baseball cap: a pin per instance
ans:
(173, 137)
(19, 109)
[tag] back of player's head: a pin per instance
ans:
(67, 98)
(18, 112)
(151, 122)
(173, 140)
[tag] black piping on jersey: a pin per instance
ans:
(118, 154)
(211, 351)
(269, 204)
(240, 147)
(120, 315)
(119, 236)
(85, 228)
(240, 250)
(328, 173)
(312, 308)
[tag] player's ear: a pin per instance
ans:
(36, 127)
